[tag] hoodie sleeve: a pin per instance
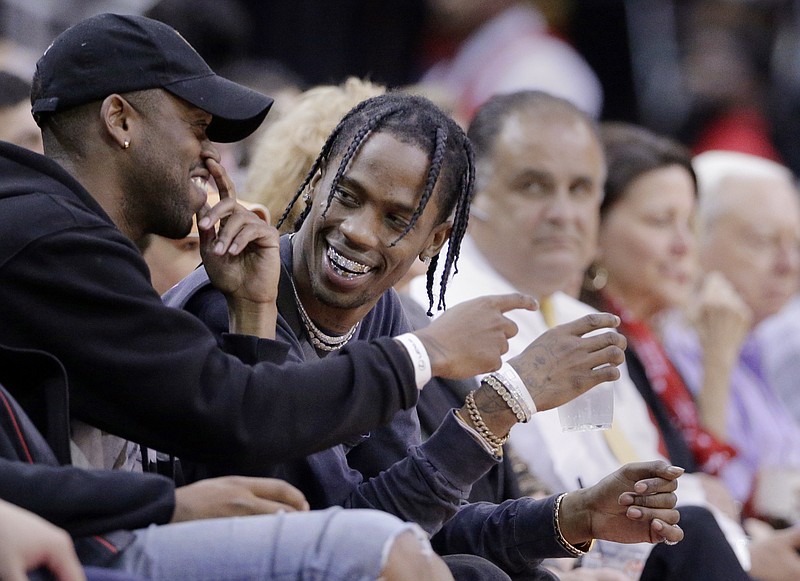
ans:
(156, 375)
(88, 502)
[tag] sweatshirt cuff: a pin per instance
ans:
(456, 454)
(251, 350)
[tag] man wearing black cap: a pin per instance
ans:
(125, 164)
(128, 111)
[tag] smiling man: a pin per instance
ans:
(392, 185)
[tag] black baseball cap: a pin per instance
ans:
(112, 53)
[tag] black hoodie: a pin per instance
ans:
(73, 286)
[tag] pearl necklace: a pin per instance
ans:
(319, 339)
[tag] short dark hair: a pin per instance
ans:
(13, 89)
(490, 118)
(415, 120)
(631, 151)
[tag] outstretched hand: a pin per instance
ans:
(561, 364)
(236, 496)
(470, 339)
(634, 504)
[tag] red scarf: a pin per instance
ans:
(709, 452)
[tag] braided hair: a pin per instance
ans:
(417, 121)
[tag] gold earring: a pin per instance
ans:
(596, 278)
(126, 144)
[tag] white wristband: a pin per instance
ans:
(419, 358)
(512, 378)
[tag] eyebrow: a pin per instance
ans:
(395, 207)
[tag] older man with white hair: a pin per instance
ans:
(749, 231)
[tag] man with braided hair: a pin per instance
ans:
(392, 184)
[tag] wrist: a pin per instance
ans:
(247, 317)
(419, 358)
(573, 520)
(495, 413)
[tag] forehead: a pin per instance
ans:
(763, 202)
(670, 185)
(168, 104)
(385, 166)
(556, 143)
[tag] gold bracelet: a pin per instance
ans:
(493, 440)
(578, 551)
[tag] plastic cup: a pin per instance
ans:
(593, 410)
(628, 559)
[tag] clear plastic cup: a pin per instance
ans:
(593, 410)
(627, 558)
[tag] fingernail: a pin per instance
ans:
(205, 223)
(640, 487)
(219, 248)
(234, 247)
(658, 525)
(676, 470)
(634, 512)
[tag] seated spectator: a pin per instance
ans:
(540, 173)
(645, 267)
(749, 230)
(124, 521)
(381, 195)
(284, 156)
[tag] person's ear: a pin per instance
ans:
(116, 114)
(436, 240)
(312, 185)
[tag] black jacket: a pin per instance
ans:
(72, 285)
(87, 503)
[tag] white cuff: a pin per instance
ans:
(419, 358)
(512, 378)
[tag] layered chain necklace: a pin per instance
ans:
(320, 340)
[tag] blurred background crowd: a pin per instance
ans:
(712, 73)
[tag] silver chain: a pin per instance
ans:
(319, 339)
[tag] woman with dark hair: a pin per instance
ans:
(645, 267)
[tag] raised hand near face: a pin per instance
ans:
(240, 251)
(722, 321)
(634, 504)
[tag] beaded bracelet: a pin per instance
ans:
(523, 414)
(565, 544)
(493, 440)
